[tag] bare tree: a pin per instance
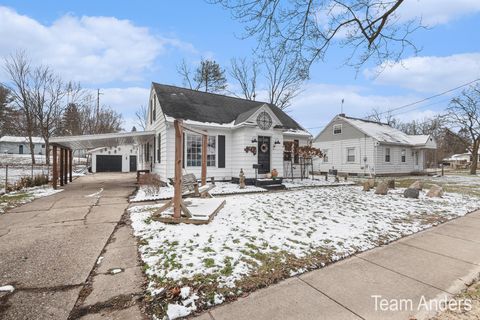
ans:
(464, 113)
(208, 76)
(383, 117)
(18, 69)
(284, 77)
(141, 117)
(245, 73)
(371, 28)
(48, 93)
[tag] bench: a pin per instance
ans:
(190, 187)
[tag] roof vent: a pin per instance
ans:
(342, 115)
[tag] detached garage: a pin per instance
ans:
(114, 159)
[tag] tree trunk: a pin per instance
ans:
(473, 167)
(32, 148)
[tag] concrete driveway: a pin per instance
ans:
(50, 249)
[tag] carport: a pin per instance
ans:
(62, 149)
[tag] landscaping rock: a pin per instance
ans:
(411, 193)
(416, 185)
(435, 191)
(366, 186)
(391, 184)
(371, 183)
(382, 188)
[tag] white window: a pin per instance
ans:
(404, 155)
(350, 154)
(211, 151)
(194, 151)
(337, 129)
(325, 155)
(387, 154)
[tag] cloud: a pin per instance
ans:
(435, 12)
(87, 49)
(429, 73)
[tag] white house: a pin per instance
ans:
(460, 160)
(241, 133)
(21, 145)
(122, 158)
(362, 147)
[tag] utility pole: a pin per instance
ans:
(98, 109)
(341, 108)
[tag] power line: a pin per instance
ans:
(428, 98)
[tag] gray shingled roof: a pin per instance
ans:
(182, 103)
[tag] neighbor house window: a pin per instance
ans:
(194, 151)
(387, 154)
(325, 155)
(337, 129)
(350, 154)
(404, 155)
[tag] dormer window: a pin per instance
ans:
(337, 129)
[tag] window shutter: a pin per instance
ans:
(221, 151)
(159, 152)
(154, 145)
(183, 153)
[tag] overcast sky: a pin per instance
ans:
(121, 47)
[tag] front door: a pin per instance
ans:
(133, 163)
(264, 154)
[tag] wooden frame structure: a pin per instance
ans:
(179, 205)
(62, 166)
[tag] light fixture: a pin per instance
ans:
(254, 140)
(277, 141)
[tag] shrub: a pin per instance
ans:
(151, 183)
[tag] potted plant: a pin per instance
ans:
(274, 174)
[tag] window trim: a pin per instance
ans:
(196, 161)
(348, 156)
(335, 126)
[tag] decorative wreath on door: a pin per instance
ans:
(264, 147)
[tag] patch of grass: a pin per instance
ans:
(209, 262)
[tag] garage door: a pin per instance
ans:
(109, 163)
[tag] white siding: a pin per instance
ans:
(337, 156)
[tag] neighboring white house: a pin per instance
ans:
(121, 158)
(362, 147)
(459, 160)
(21, 145)
(234, 126)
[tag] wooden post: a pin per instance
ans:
(65, 168)
(61, 166)
(70, 163)
(54, 168)
(177, 198)
(204, 159)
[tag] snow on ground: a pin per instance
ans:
(21, 159)
(277, 235)
(14, 199)
(221, 188)
(317, 182)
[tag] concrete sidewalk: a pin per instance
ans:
(432, 264)
(49, 251)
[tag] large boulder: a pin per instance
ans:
(416, 185)
(411, 193)
(366, 186)
(391, 183)
(382, 188)
(435, 191)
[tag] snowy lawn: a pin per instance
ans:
(259, 239)
(17, 198)
(317, 182)
(221, 188)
